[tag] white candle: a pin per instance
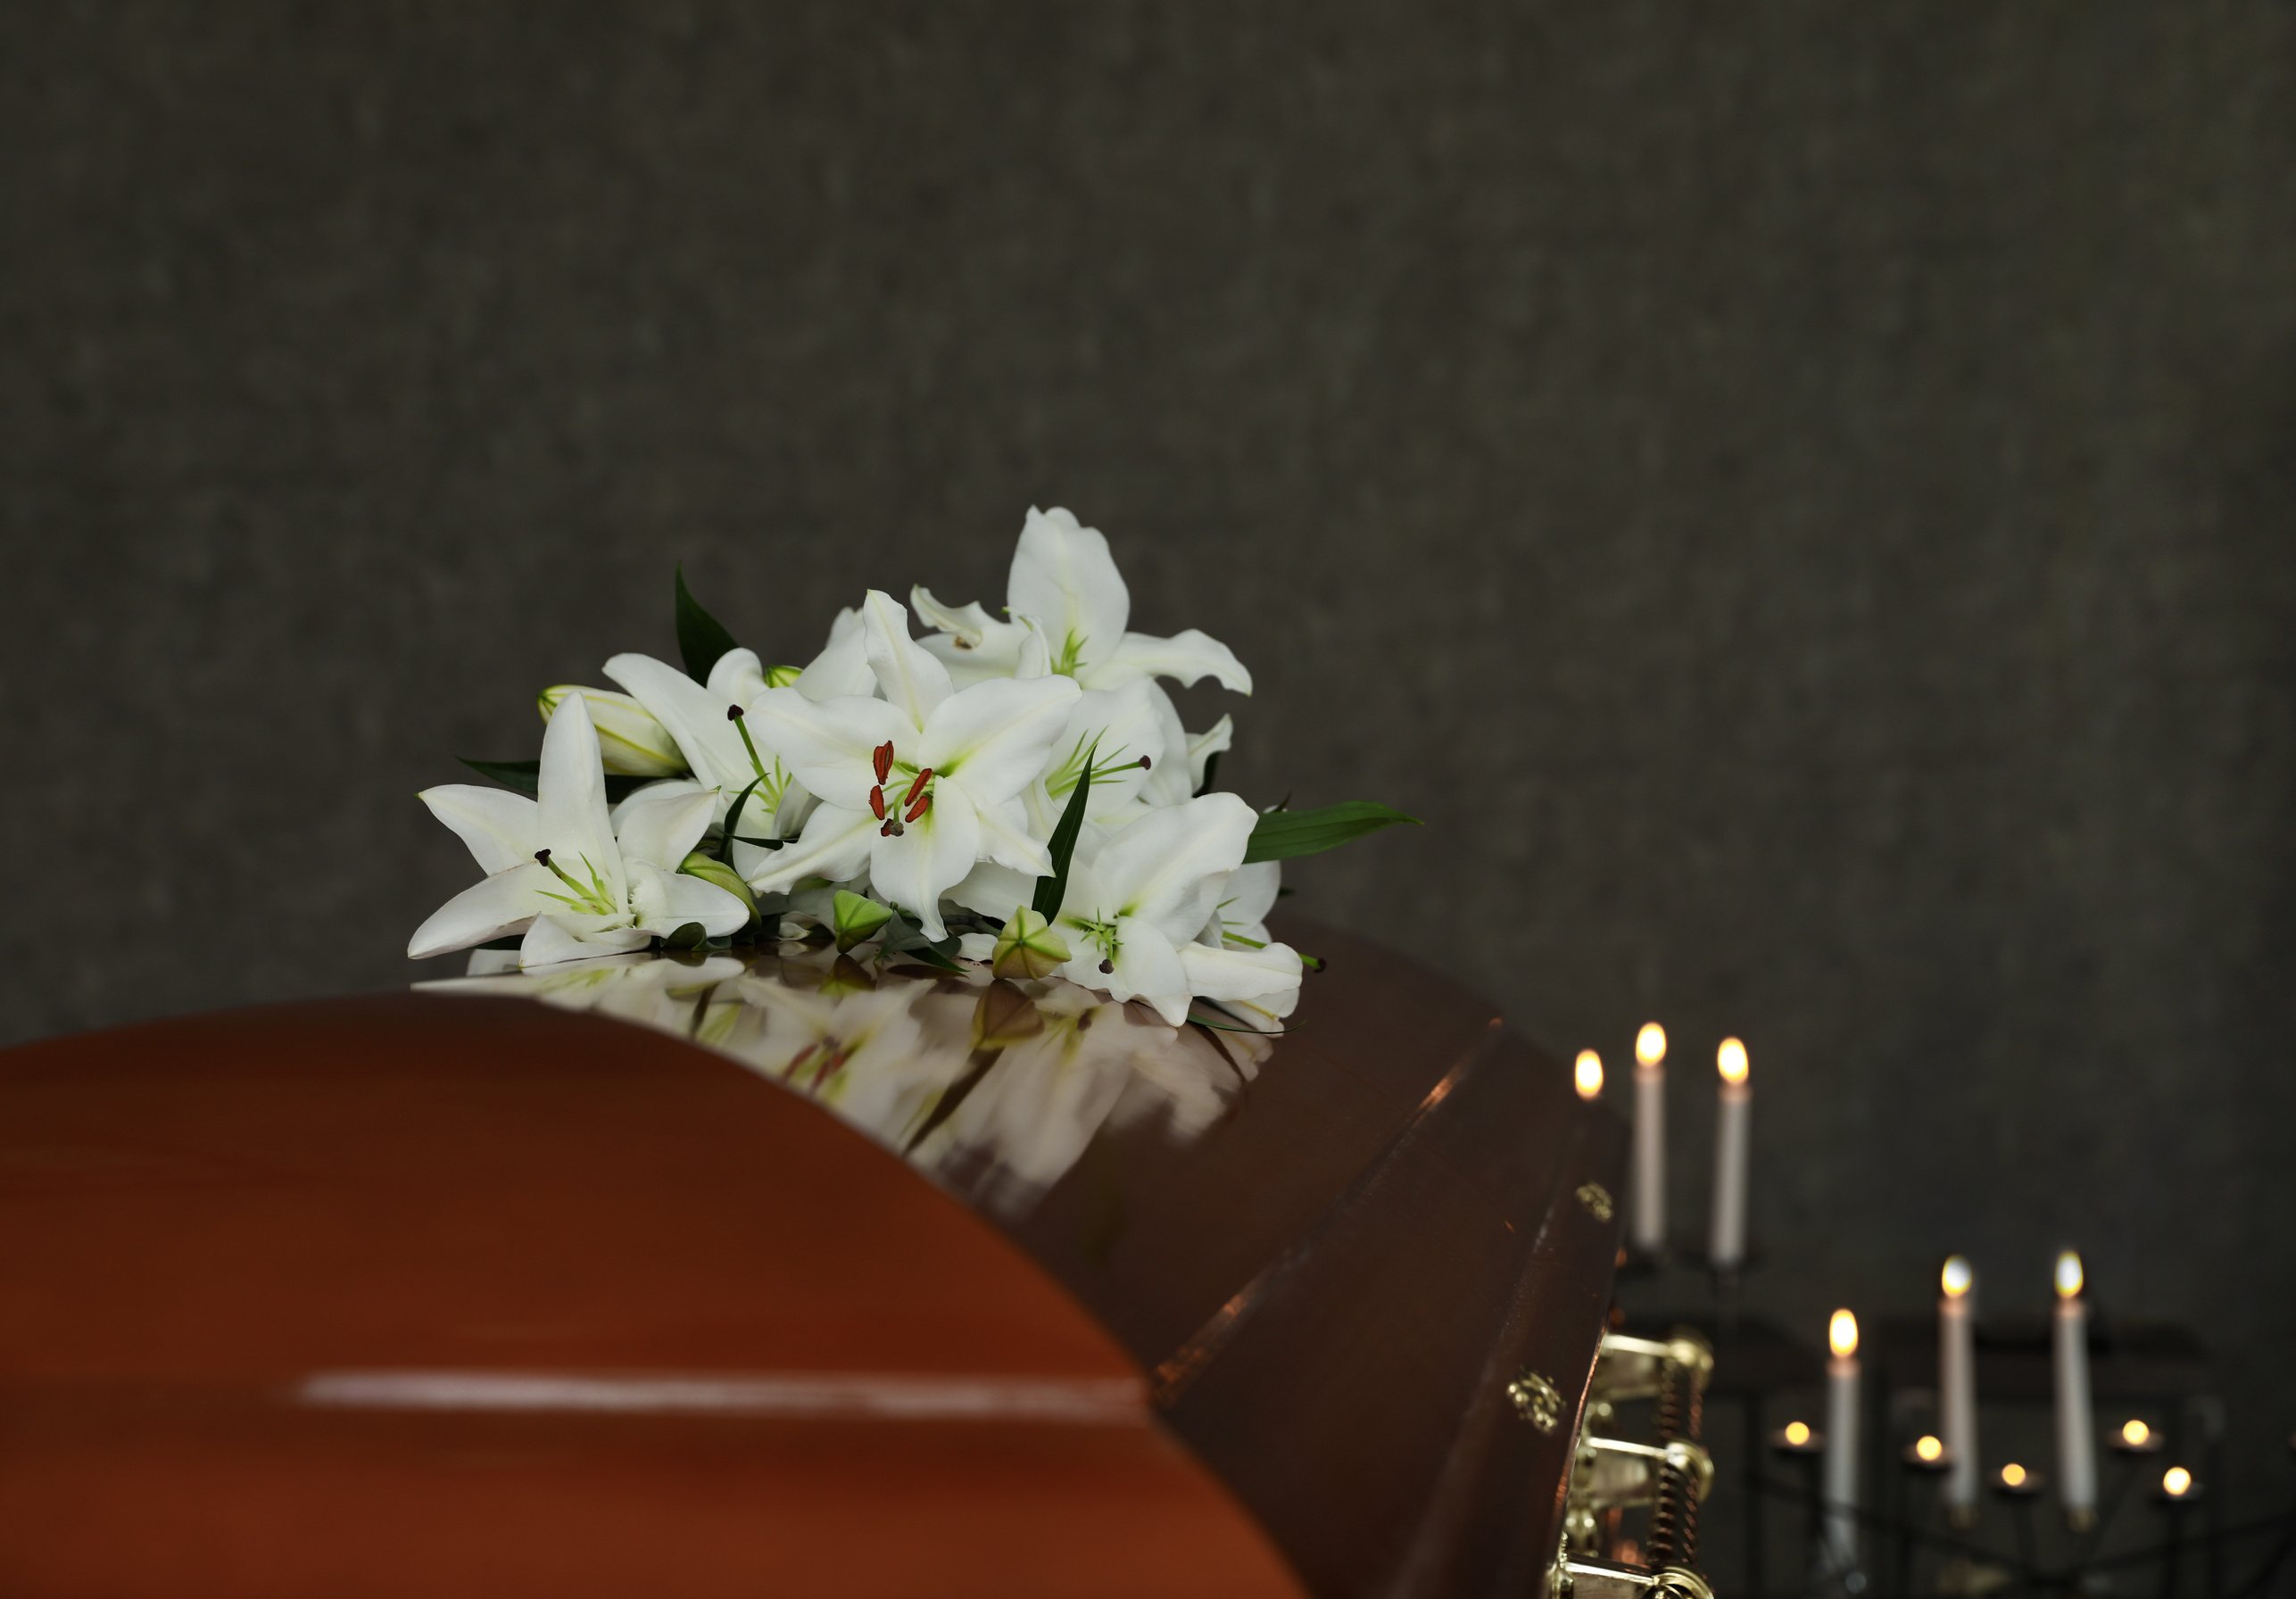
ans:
(1650, 1139)
(1841, 1472)
(1957, 1385)
(2076, 1449)
(1727, 1247)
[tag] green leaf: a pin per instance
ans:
(701, 638)
(524, 774)
(1283, 834)
(734, 819)
(1051, 891)
(690, 935)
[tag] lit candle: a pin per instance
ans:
(1650, 1139)
(1842, 1444)
(2076, 1453)
(1589, 1075)
(1957, 1388)
(1729, 1244)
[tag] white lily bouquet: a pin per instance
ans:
(1017, 792)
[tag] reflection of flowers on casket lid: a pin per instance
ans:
(651, 991)
(877, 1048)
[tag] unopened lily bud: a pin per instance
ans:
(633, 743)
(719, 875)
(1028, 947)
(781, 677)
(853, 918)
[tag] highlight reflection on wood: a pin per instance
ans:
(432, 1293)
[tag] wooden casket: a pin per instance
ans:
(814, 1280)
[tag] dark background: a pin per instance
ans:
(1797, 499)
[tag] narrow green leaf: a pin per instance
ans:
(1051, 891)
(523, 775)
(1283, 834)
(701, 638)
(734, 819)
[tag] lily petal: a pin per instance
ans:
(1005, 840)
(554, 938)
(660, 829)
(828, 745)
(666, 901)
(991, 890)
(1264, 977)
(1190, 657)
(1063, 577)
(738, 677)
(694, 715)
(1215, 740)
(504, 903)
(573, 818)
(500, 827)
(913, 868)
(1251, 893)
(842, 667)
(911, 678)
(834, 846)
(993, 737)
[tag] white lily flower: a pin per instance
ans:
(1134, 910)
(695, 718)
(1064, 578)
(559, 871)
(916, 786)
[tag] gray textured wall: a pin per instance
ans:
(1797, 499)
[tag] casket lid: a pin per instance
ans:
(1314, 1262)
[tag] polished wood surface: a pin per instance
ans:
(430, 1292)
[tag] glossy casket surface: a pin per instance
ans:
(814, 1280)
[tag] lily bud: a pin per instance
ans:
(633, 743)
(853, 918)
(781, 677)
(719, 875)
(1028, 947)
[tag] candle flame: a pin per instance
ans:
(1958, 1277)
(1841, 1334)
(1928, 1448)
(1650, 1044)
(1730, 1061)
(2012, 1476)
(1797, 1433)
(2068, 1275)
(2136, 1434)
(1589, 1074)
(2177, 1482)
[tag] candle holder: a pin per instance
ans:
(2021, 1488)
(2134, 1437)
(1926, 1456)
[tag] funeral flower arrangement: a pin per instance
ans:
(1015, 790)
